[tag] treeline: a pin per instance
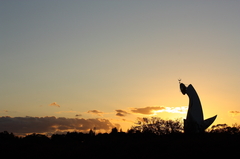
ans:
(146, 139)
(146, 126)
(160, 126)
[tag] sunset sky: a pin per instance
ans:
(79, 64)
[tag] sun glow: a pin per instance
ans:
(181, 110)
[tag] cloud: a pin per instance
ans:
(4, 111)
(157, 109)
(234, 112)
(54, 104)
(147, 110)
(126, 120)
(121, 113)
(26, 125)
(97, 112)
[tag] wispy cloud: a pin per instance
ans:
(24, 125)
(54, 104)
(152, 110)
(121, 113)
(4, 111)
(62, 112)
(126, 120)
(97, 112)
(234, 113)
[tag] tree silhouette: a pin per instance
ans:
(225, 129)
(158, 126)
(6, 136)
(147, 134)
(91, 132)
(114, 131)
(37, 138)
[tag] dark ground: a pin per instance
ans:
(122, 145)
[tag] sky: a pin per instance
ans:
(81, 65)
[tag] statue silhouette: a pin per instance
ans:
(194, 123)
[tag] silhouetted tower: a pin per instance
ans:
(194, 123)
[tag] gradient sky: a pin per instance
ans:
(75, 65)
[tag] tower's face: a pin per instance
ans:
(183, 88)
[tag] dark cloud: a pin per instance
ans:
(234, 112)
(147, 110)
(97, 112)
(54, 104)
(121, 113)
(24, 125)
